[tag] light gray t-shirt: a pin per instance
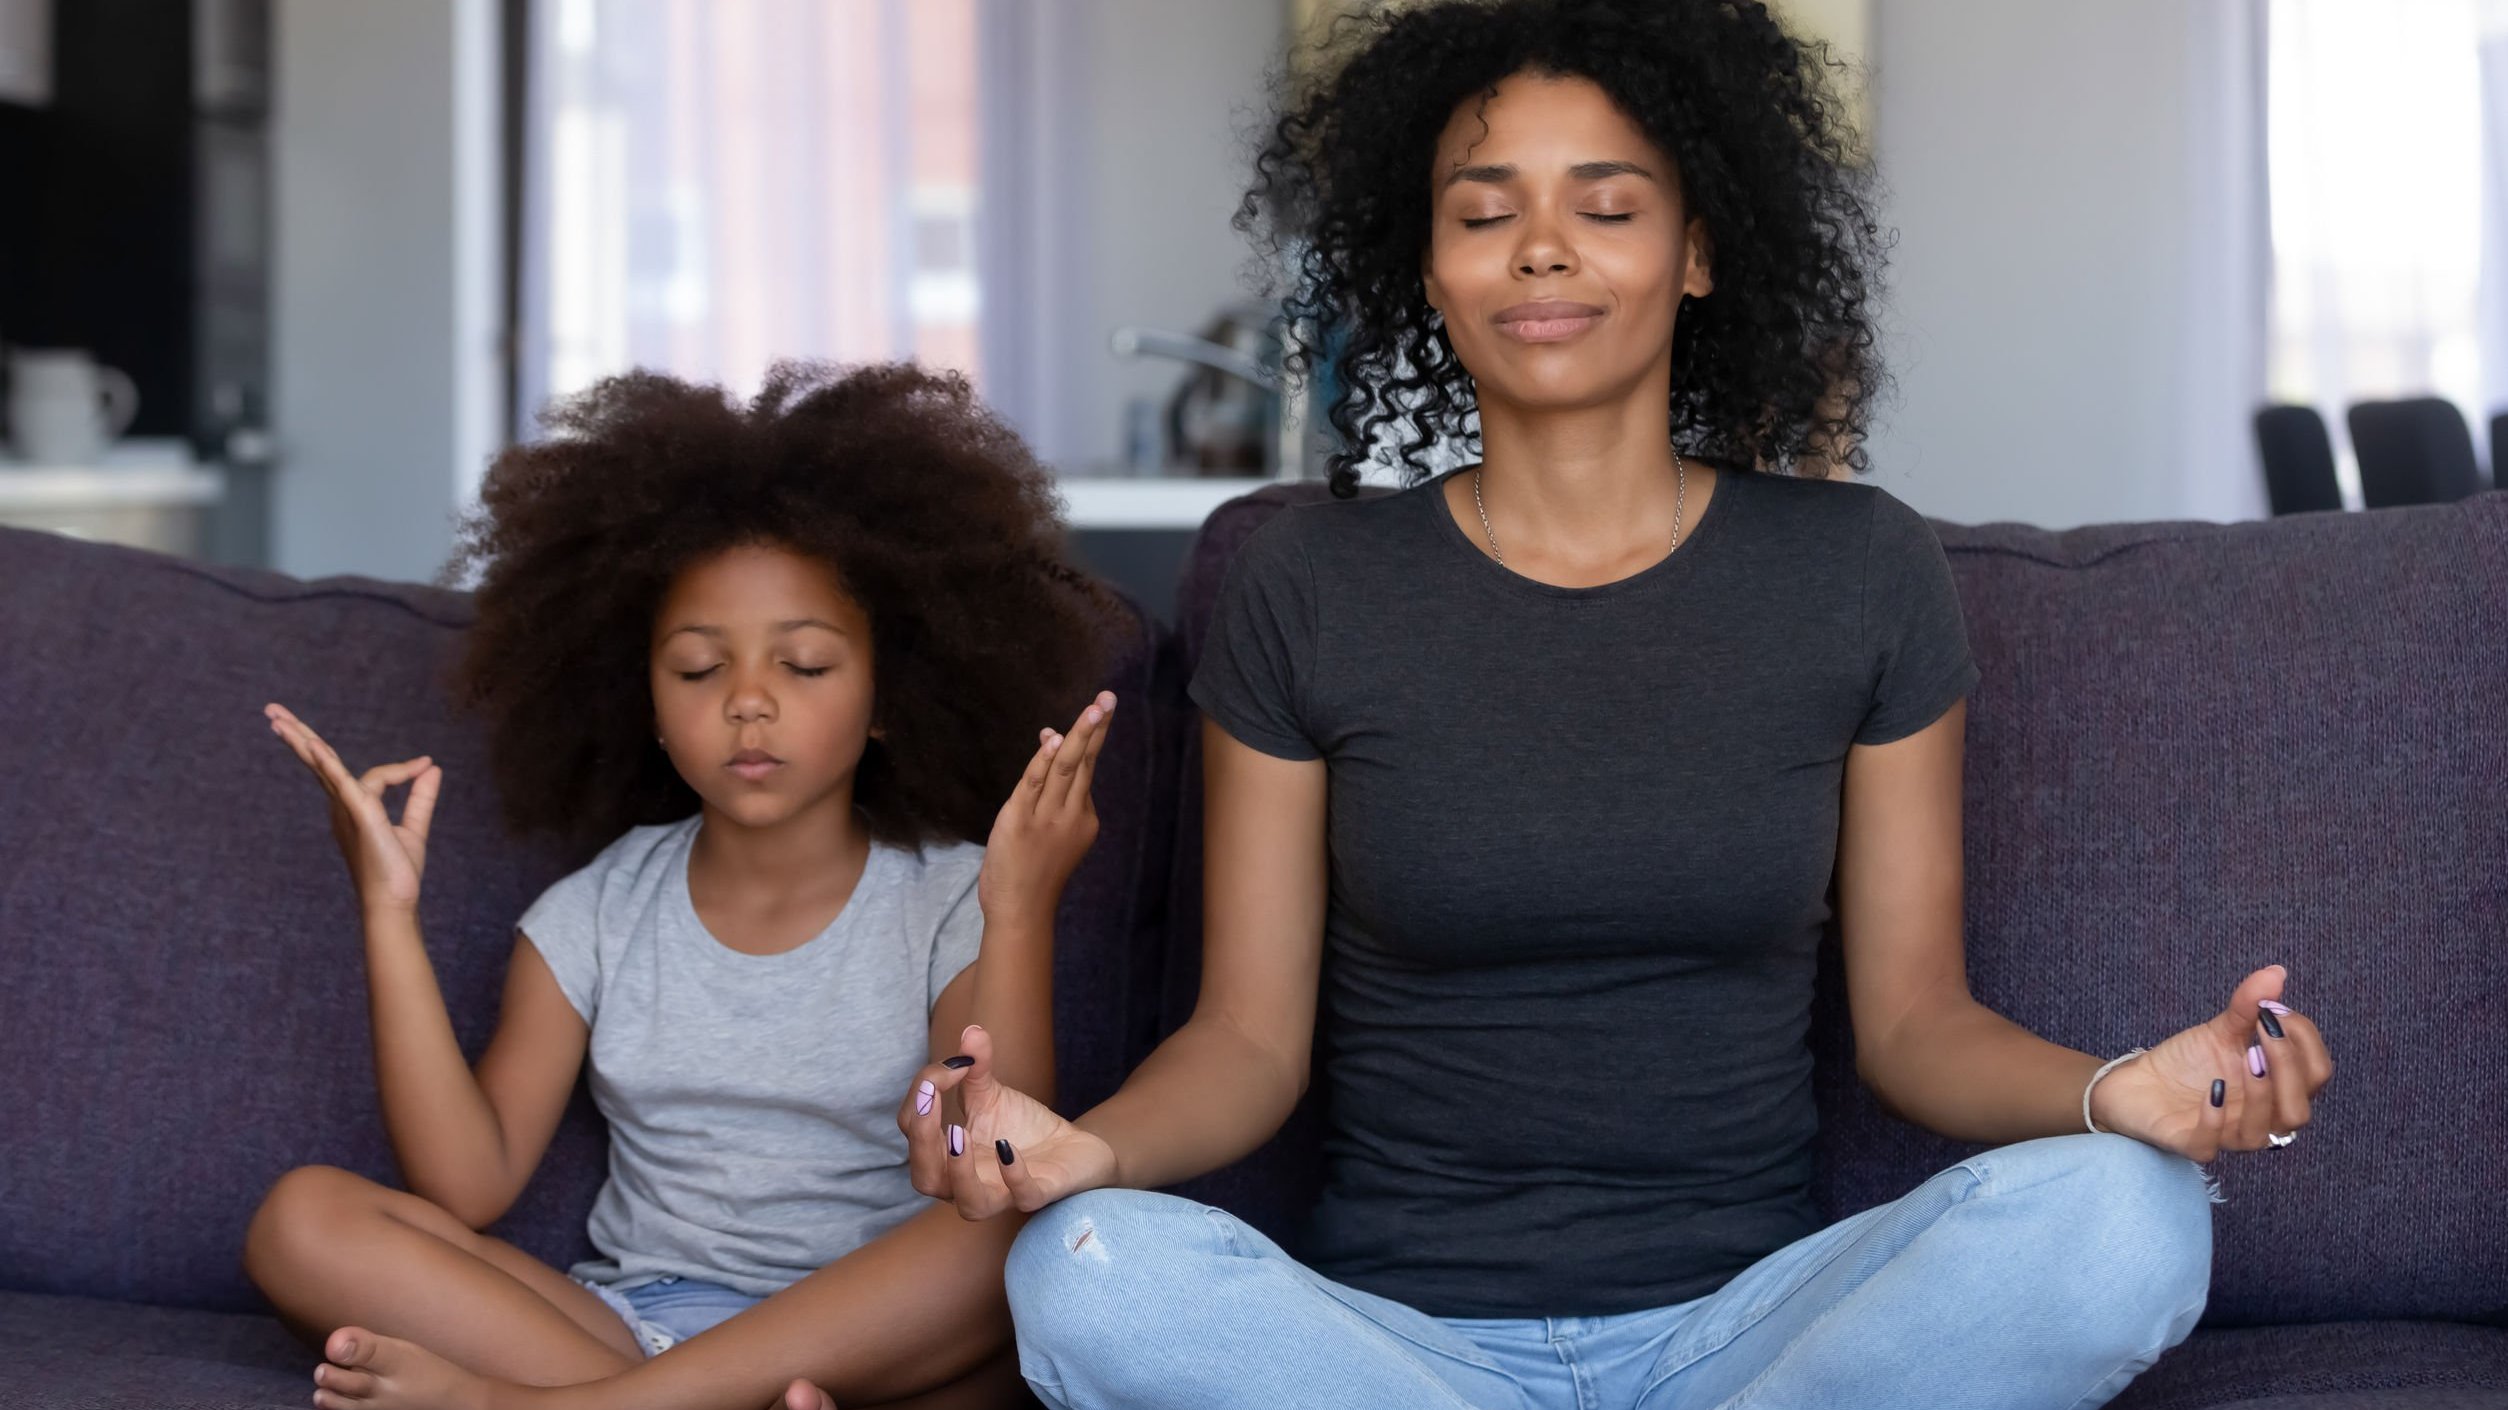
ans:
(751, 1099)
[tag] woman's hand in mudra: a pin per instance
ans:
(1014, 1152)
(2165, 1097)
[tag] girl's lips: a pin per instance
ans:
(753, 766)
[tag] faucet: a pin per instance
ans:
(1287, 432)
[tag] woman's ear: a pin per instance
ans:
(1698, 280)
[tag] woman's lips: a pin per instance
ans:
(1547, 320)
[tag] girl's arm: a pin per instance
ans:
(1043, 830)
(465, 1142)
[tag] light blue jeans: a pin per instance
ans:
(2040, 1276)
(665, 1311)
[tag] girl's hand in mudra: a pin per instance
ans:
(1013, 1152)
(385, 858)
(1046, 827)
(2165, 1097)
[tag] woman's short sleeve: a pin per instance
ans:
(1260, 653)
(1915, 638)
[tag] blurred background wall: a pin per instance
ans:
(345, 248)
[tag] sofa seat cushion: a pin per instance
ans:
(2333, 1366)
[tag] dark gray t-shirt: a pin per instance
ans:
(1581, 843)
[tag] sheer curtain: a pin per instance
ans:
(2377, 118)
(709, 185)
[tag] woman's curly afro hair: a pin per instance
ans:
(936, 519)
(1771, 371)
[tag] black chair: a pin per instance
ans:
(2298, 460)
(2415, 451)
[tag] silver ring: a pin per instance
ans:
(2281, 1141)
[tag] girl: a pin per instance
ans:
(781, 658)
(1558, 756)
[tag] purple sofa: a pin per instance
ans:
(2196, 749)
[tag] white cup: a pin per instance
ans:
(64, 409)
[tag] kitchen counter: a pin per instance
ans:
(1169, 502)
(144, 494)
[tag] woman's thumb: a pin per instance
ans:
(2265, 983)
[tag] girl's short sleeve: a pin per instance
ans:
(960, 936)
(563, 925)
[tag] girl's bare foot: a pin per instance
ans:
(803, 1395)
(370, 1372)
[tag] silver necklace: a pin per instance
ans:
(1680, 497)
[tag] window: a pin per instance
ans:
(2381, 245)
(710, 186)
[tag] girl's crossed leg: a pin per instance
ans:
(414, 1308)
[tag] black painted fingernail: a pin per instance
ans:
(2272, 1025)
(1002, 1149)
(957, 1140)
(2220, 1091)
(961, 1061)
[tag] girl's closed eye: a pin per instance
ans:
(696, 673)
(807, 672)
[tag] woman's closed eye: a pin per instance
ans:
(1477, 222)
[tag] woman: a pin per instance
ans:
(1556, 758)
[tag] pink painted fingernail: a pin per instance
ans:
(923, 1096)
(957, 1140)
(2269, 1004)
(2255, 1058)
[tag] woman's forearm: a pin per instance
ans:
(1207, 1096)
(444, 1133)
(1967, 1072)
